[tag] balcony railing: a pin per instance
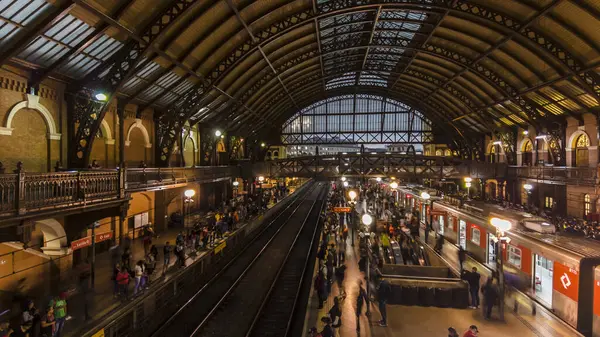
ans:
(25, 193)
(572, 175)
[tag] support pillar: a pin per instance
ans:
(160, 211)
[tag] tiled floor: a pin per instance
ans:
(415, 321)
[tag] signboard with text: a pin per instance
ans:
(87, 241)
(342, 209)
(566, 281)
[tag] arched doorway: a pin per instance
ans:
(527, 153)
(581, 158)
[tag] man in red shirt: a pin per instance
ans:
(472, 332)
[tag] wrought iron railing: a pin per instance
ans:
(573, 175)
(23, 192)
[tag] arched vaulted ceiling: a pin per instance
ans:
(470, 65)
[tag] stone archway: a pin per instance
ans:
(32, 102)
(138, 125)
(55, 237)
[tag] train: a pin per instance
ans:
(559, 269)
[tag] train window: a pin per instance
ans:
(587, 204)
(475, 236)
(441, 217)
(514, 256)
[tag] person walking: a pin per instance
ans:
(340, 274)
(166, 257)
(383, 294)
(361, 298)
(452, 332)
(490, 296)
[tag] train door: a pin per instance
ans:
(462, 233)
(491, 250)
(543, 279)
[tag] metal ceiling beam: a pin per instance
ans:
(318, 35)
(98, 32)
(500, 43)
(414, 56)
(255, 40)
(371, 35)
(151, 47)
(29, 33)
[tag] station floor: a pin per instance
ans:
(421, 321)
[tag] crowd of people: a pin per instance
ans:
(130, 276)
(589, 228)
(206, 232)
(49, 322)
(374, 247)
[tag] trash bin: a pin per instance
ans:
(443, 297)
(460, 298)
(410, 295)
(426, 296)
(396, 297)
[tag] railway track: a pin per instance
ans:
(234, 295)
(278, 309)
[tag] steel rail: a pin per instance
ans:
(298, 201)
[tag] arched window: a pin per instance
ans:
(438, 152)
(495, 154)
(448, 153)
(276, 155)
(527, 153)
(587, 205)
(581, 151)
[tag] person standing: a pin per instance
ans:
(123, 282)
(490, 296)
(473, 278)
(167, 256)
(472, 332)
(139, 273)
(383, 294)
(335, 314)
(60, 313)
(361, 298)
(320, 287)
(48, 323)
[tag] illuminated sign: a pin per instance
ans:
(342, 209)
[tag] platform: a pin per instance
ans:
(102, 302)
(423, 321)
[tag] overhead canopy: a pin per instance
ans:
(247, 65)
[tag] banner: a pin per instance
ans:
(342, 209)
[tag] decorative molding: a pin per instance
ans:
(32, 102)
(138, 124)
(6, 131)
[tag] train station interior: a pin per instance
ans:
(299, 168)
